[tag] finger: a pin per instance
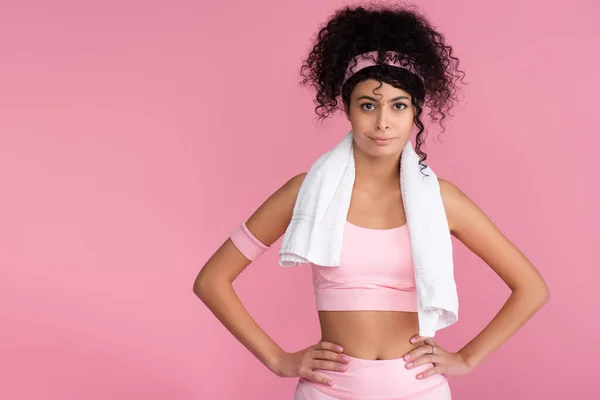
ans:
(424, 350)
(330, 346)
(307, 373)
(429, 372)
(420, 351)
(329, 355)
(424, 360)
(327, 365)
(313, 376)
(418, 339)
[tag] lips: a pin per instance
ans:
(381, 141)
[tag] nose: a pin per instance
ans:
(382, 123)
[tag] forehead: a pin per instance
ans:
(381, 89)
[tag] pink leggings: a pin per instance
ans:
(376, 380)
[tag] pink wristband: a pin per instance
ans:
(247, 243)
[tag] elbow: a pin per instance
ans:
(545, 295)
(198, 289)
(202, 290)
(200, 286)
(537, 295)
(540, 295)
(206, 285)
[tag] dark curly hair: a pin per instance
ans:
(398, 30)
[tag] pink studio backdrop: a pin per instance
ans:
(135, 136)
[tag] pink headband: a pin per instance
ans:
(368, 59)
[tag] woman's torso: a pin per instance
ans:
(372, 334)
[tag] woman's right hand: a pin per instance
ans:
(323, 355)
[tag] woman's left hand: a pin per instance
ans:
(444, 362)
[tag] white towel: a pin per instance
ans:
(316, 229)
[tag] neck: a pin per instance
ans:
(376, 175)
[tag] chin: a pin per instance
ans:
(385, 152)
(367, 146)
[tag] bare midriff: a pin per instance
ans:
(372, 335)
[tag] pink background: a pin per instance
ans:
(135, 136)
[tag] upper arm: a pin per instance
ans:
(469, 224)
(268, 223)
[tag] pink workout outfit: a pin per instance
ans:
(375, 273)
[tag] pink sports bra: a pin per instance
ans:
(375, 273)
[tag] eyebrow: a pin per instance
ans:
(377, 101)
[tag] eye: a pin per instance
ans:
(400, 104)
(365, 104)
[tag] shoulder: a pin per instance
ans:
(296, 181)
(272, 217)
(449, 191)
(460, 209)
(467, 221)
(291, 188)
(469, 224)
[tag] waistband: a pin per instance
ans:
(384, 299)
(378, 380)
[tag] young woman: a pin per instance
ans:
(369, 350)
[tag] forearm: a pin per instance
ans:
(518, 309)
(223, 302)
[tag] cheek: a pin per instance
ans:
(407, 123)
(360, 129)
(360, 121)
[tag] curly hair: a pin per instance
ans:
(398, 30)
